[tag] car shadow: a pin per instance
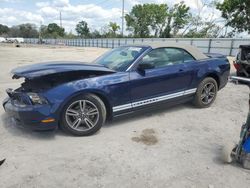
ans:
(219, 160)
(19, 131)
(145, 113)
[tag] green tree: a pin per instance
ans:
(70, 35)
(4, 29)
(236, 13)
(138, 20)
(53, 30)
(24, 30)
(177, 18)
(44, 32)
(14, 31)
(158, 15)
(157, 18)
(95, 34)
(82, 29)
(28, 30)
(146, 18)
(113, 27)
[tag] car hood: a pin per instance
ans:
(55, 67)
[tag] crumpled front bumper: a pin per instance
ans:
(30, 116)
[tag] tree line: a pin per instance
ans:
(53, 30)
(152, 20)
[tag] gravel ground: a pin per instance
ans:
(174, 147)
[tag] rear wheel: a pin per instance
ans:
(83, 115)
(206, 93)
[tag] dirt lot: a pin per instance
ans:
(175, 147)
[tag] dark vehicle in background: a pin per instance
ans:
(79, 97)
(242, 62)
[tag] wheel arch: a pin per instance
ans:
(198, 101)
(213, 75)
(106, 102)
(98, 93)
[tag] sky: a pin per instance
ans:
(97, 13)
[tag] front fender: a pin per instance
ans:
(61, 95)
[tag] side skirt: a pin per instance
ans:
(156, 106)
(131, 106)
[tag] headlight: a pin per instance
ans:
(37, 99)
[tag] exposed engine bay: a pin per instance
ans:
(46, 82)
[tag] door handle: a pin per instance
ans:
(181, 70)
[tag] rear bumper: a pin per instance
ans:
(30, 116)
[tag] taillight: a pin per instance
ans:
(236, 65)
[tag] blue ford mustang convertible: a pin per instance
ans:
(79, 96)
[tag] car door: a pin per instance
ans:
(162, 73)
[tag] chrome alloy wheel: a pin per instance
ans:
(208, 93)
(82, 115)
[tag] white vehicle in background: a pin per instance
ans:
(2, 39)
(15, 40)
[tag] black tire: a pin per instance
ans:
(90, 100)
(201, 102)
(246, 161)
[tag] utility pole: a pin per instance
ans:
(60, 19)
(40, 33)
(122, 17)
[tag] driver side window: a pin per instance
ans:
(162, 57)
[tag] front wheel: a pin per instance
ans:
(83, 115)
(206, 93)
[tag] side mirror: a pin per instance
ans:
(144, 66)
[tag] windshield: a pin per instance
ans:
(119, 59)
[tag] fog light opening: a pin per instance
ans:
(48, 120)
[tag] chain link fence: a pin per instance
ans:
(227, 47)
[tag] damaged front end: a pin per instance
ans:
(41, 77)
(46, 82)
(27, 105)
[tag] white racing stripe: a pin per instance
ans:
(122, 107)
(153, 100)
